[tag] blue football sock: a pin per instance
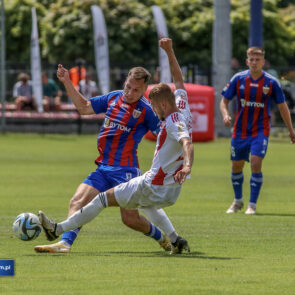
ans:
(154, 233)
(255, 185)
(70, 236)
(237, 182)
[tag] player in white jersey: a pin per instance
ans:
(172, 163)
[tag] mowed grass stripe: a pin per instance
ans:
(236, 254)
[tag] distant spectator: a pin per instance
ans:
(23, 93)
(88, 88)
(78, 72)
(51, 94)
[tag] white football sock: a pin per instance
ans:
(84, 215)
(161, 220)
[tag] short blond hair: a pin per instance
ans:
(255, 50)
(139, 73)
(162, 92)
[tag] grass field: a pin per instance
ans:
(234, 254)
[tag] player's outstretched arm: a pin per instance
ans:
(81, 103)
(188, 159)
(285, 114)
(223, 106)
(166, 44)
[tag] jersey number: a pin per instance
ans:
(181, 104)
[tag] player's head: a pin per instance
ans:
(136, 84)
(23, 77)
(255, 59)
(80, 62)
(162, 100)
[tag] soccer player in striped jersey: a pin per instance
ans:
(128, 117)
(172, 163)
(255, 90)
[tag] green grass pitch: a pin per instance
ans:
(234, 254)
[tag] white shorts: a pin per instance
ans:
(138, 193)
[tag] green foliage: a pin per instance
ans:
(66, 30)
(278, 40)
(18, 27)
(190, 25)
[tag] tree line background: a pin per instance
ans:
(66, 32)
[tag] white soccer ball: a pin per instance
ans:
(27, 227)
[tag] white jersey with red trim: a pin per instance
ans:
(168, 157)
(181, 100)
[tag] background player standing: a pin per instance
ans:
(255, 91)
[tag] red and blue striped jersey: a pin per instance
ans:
(123, 128)
(254, 98)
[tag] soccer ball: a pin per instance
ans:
(27, 227)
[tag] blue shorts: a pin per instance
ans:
(106, 177)
(241, 148)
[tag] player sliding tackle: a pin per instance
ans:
(173, 158)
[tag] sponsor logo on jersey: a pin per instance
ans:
(265, 90)
(251, 103)
(124, 105)
(113, 104)
(253, 85)
(108, 123)
(136, 114)
(242, 86)
(180, 127)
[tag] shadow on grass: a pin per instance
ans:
(191, 255)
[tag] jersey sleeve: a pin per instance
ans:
(277, 93)
(229, 91)
(152, 121)
(180, 94)
(177, 129)
(100, 103)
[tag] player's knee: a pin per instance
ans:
(77, 202)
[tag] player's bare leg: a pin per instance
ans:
(134, 220)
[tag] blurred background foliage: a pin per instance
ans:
(66, 33)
